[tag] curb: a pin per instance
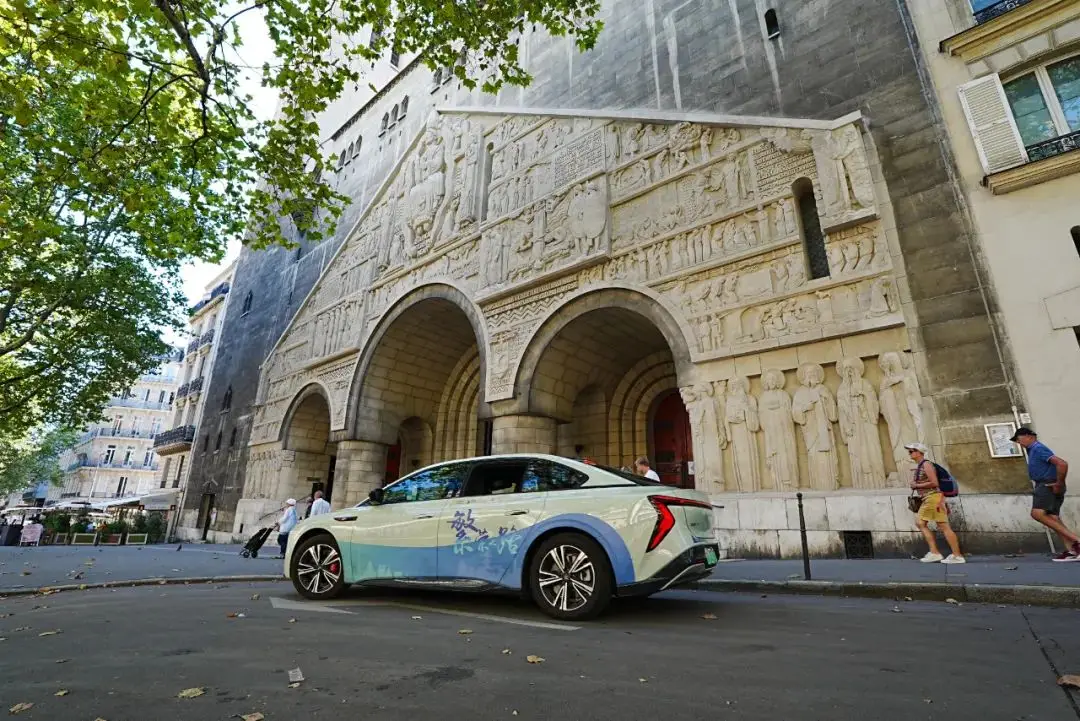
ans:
(1052, 596)
(44, 590)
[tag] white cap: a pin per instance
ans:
(290, 502)
(917, 447)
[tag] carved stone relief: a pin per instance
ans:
(814, 409)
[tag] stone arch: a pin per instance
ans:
(308, 451)
(300, 409)
(637, 310)
(422, 346)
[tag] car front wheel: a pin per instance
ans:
(570, 577)
(316, 568)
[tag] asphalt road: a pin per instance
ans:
(128, 652)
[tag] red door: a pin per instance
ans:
(672, 446)
(393, 463)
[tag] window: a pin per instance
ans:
(544, 476)
(1046, 102)
(161, 397)
(205, 442)
(110, 453)
(356, 148)
(129, 452)
(118, 423)
(385, 123)
(438, 78)
(232, 438)
(395, 57)
(430, 485)
(247, 304)
(226, 402)
(148, 458)
(121, 486)
(772, 24)
(394, 115)
(376, 35)
(135, 423)
(813, 238)
(155, 428)
(495, 478)
(349, 151)
(1076, 238)
(179, 470)
(146, 396)
(341, 158)
(217, 444)
(404, 105)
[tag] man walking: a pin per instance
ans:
(319, 506)
(641, 465)
(286, 524)
(1047, 473)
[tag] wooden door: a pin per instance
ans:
(673, 449)
(393, 463)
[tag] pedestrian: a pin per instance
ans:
(286, 524)
(643, 468)
(1047, 473)
(932, 507)
(579, 452)
(319, 506)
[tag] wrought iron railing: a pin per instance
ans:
(183, 390)
(1056, 146)
(207, 338)
(130, 465)
(998, 9)
(219, 290)
(139, 403)
(180, 434)
(195, 386)
(193, 346)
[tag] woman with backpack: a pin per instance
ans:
(927, 482)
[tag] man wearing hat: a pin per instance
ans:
(286, 524)
(1047, 473)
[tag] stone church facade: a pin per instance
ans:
(768, 299)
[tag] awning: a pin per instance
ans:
(159, 501)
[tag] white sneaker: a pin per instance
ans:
(931, 558)
(955, 559)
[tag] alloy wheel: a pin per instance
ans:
(319, 568)
(567, 578)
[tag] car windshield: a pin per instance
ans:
(632, 477)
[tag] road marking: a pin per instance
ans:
(282, 603)
(285, 604)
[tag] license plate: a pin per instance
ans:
(710, 556)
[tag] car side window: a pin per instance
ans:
(542, 476)
(433, 484)
(495, 479)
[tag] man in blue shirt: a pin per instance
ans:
(1047, 473)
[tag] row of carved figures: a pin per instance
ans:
(724, 415)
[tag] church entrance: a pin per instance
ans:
(673, 449)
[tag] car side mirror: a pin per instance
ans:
(376, 496)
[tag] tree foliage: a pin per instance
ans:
(32, 460)
(128, 147)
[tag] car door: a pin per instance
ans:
(483, 530)
(397, 538)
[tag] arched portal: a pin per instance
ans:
(598, 367)
(310, 456)
(417, 390)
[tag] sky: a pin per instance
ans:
(257, 49)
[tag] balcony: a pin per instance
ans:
(206, 341)
(218, 292)
(998, 9)
(139, 403)
(195, 387)
(90, 463)
(113, 433)
(176, 440)
(1053, 147)
(192, 346)
(182, 391)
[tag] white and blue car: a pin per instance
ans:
(571, 535)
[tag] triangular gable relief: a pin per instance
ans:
(522, 210)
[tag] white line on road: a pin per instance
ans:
(316, 606)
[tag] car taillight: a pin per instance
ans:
(665, 520)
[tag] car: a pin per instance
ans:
(568, 534)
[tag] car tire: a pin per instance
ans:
(316, 568)
(570, 577)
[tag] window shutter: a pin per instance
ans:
(992, 125)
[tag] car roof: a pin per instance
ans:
(571, 462)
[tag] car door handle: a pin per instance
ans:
(518, 513)
(344, 518)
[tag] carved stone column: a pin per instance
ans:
(361, 466)
(523, 434)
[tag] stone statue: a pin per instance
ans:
(892, 397)
(859, 411)
(708, 436)
(741, 422)
(774, 409)
(814, 408)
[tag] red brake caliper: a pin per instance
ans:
(334, 568)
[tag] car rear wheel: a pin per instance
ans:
(316, 568)
(570, 577)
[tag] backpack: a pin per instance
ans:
(946, 483)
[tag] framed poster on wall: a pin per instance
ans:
(997, 438)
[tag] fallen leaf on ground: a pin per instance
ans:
(20, 707)
(252, 717)
(21, 628)
(82, 586)
(292, 620)
(296, 675)
(62, 660)
(908, 598)
(294, 685)
(61, 692)
(1069, 680)
(643, 680)
(1011, 568)
(534, 659)
(49, 633)
(191, 693)
(464, 631)
(507, 652)
(953, 601)
(254, 597)
(514, 713)
(896, 609)
(709, 616)
(417, 618)
(928, 700)
(26, 573)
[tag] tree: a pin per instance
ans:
(34, 459)
(127, 148)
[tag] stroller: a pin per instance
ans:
(251, 548)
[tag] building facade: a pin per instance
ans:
(1007, 75)
(731, 237)
(190, 427)
(116, 458)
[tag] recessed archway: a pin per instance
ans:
(309, 454)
